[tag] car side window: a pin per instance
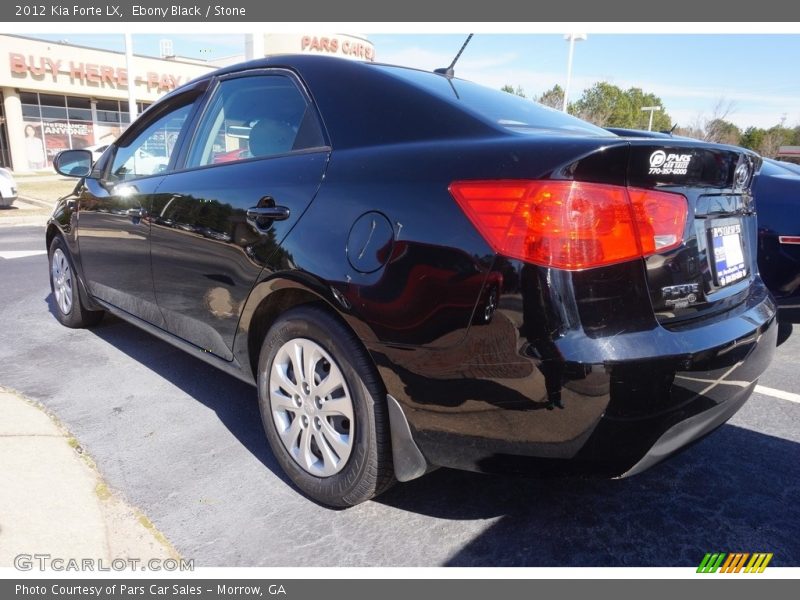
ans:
(252, 117)
(149, 153)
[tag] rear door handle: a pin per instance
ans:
(268, 213)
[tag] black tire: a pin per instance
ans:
(368, 470)
(72, 314)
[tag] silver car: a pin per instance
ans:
(8, 188)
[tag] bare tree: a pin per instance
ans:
(717, 128)
(519, 91)
(554, 97)
(597, 115)
(714, 127)
(771, 144)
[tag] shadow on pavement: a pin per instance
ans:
(234, 401)
(736, 490)
(785, 329)
(786, 322)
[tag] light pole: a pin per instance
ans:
(571, 38)
(652, 109)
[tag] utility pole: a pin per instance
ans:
(652, 109)
(571, 38)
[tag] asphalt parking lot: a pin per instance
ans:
(184, 443)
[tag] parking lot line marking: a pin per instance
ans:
(768, 391)
(742, 384)
(10, 254)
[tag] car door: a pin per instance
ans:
(114, 210)
(254, 165)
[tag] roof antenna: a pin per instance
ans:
(448, 71)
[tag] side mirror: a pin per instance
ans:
(73, 163)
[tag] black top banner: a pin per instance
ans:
(248, 11)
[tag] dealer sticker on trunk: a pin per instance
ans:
(662, 163)
(729, 263)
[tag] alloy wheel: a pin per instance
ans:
(62, 281)
(311, 407)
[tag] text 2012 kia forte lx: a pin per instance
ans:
(417, 271)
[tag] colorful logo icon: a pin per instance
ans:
(735, 562)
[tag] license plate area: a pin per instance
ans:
(726, 251)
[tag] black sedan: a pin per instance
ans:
(777, 196)
(417, 271)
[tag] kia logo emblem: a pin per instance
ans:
(741, 175)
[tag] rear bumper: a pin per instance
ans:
(686, 432)
(612, 407)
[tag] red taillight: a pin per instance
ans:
(572, 224)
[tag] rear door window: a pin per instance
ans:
(254, 116)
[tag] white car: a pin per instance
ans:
(8, 188)
(140, 163)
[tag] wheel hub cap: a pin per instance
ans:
(311, 407)
(61, 275)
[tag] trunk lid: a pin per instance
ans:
(716, 264)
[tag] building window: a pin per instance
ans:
(115, 111)
(79, 109)
(54, 123)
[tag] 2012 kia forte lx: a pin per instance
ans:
(417, 271)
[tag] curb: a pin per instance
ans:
(115, 527)
(23, 221)
(37, 215)
(37, 202)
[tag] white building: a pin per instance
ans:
(55, 96)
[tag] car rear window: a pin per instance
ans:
(500, 108)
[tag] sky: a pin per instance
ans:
(752, 77)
